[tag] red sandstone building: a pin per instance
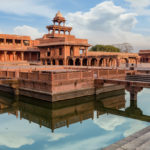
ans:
(59, 47)
(145, 56)
(18, 48)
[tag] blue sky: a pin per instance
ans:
(16, 134)
(100, 21)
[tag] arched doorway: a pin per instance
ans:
(77, 62)
(93, 62)
(70, 62)
(101, 62)
(54, 62)
(48, 62)
(60, 62)
(85, 62)
(124, 62)
(43, 61)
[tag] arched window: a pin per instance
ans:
(70, 62)
(77, 62)
(60, 62)
(85, 62)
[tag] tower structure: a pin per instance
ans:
(58, 46)
(59, 25)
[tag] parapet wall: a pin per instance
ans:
(60, 84)
(56, 82)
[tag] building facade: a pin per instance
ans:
(14, 48)
(59, 47)
(145, 56)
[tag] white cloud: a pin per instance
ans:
(109, 122)
(25, 7)
(134, 127)
(107, 23)
(140, 6)
(87, 144)
(139, 3)
(56, 136)
(29, 31)
(13, 140)
(13, 133)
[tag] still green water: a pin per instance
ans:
(90, 123)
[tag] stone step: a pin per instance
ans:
(145, 146)
(138, 141)
(135, 143)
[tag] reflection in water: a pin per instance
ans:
(64, 113)
(68, 113)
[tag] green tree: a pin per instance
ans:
(105, 48)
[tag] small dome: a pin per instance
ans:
(58, 14)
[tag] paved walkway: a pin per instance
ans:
(137, 141)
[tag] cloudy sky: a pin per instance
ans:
(100, 21)
(16, 134)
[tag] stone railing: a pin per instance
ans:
(8, 74)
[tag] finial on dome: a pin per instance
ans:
(59, 19)
(59, 14)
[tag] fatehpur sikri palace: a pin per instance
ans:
(58, 47)
(62, 92)
(59, 66)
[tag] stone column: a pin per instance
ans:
(4, 40)
(98, 59)
(74, 61)
(56, 62)
(45, 62)
(22, 56)
(14, 42)
(81, 62)
(14, 56)
(104, 62)
(86, 51)
(65, 62)
(22, 44)
(51, 62)
(133, 91)
(89, 61)
(5, 55)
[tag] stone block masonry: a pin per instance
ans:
(60, 83)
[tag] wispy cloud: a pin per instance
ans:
(26, 7)
(28, 30)
(87, 144)
(140, 6)
(57, 136)
(107, 23)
